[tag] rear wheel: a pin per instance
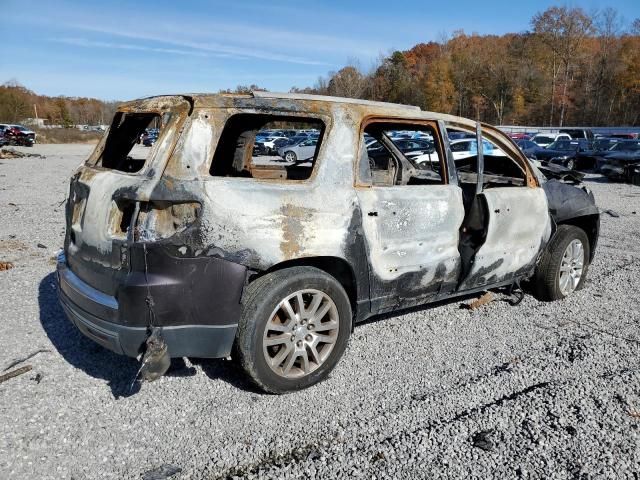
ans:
(295, 326)
(563, 267)
(571, 164)
(290, 156)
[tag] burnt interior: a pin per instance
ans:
(126, 132)
(235, 155)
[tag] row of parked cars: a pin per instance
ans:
(289, 144)
(16, 135)
(617, 157)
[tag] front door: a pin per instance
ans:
(517, 224)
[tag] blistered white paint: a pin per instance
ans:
(94, 230)
(412, 228)
(196, 148)
(519, 227)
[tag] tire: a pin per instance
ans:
(571, 164)
(262, 311)
(290, 156)
(547, 277)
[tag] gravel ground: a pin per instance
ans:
(541, 390)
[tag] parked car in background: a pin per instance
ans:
(519, 136)
(528, 147)
(579, 133)
(299, 152)
(297, 139)
(458, 135)
(271, 144)
(259, 149)
(586, 158)
(421, 152)
(625, 136)
(18, 135)
(622, 166)
(562, 152)
(149, 140)
(545, 139)
(468, 147)
(617, 162)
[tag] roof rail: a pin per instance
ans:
(326, 98)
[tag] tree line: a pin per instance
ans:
(18, 103)
(570, 68)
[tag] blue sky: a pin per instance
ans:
(113, 49)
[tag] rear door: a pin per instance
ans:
(410, 218)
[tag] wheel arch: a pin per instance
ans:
(590, 224)
(337, 267)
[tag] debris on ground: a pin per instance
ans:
(633, 412)
(41, 245)
(479, 302)
(612, 213)
(15, 373)
(161, 473)
(5, 265)
(13, 153)
(37, 378)
(483, 441)
(24, 359)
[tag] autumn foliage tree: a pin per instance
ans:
(571, 68)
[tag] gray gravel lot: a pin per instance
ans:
(541, 390)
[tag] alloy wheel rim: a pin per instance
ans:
(301, 333)
(289, 157)
(571, 267)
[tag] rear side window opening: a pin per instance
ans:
(128, 142)
(268, 147)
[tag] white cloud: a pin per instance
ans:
(83, 42)
(200, 45)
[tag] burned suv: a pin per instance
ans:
(197, 248)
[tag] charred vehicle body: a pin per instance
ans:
(206, 251)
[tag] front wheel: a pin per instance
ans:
(295, 326)
(290, 157)
(563, 266)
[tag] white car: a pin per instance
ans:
(545, 139)
(273, 143)
(468, 147)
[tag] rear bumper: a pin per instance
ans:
(102, 318)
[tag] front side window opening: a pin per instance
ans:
(400, 154)
(500, 170)
(268, 147)
(130, 137)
